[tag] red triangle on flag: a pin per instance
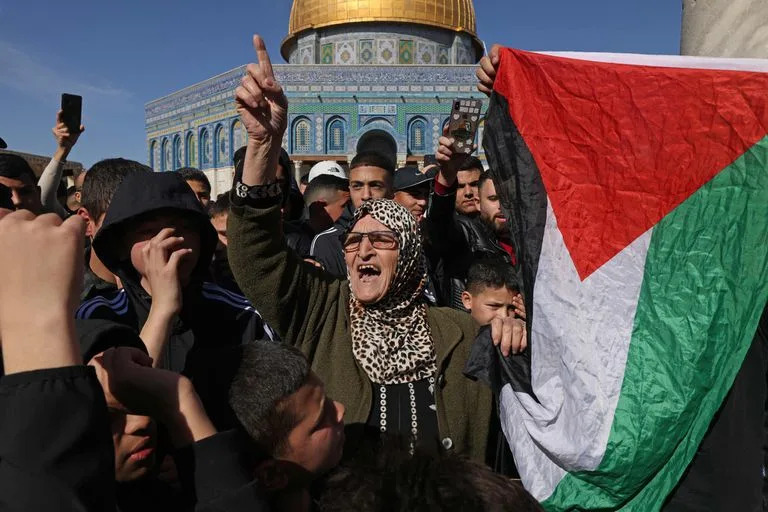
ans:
(620, 146)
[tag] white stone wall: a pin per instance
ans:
(725, 28)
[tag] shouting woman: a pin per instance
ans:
(393, 361)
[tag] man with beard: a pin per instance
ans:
(496, 242)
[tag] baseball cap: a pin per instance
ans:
(409, 177)
(327, 168)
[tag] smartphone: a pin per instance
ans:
(462, 126)
(6, 201)
(72, 111)
(429, 160)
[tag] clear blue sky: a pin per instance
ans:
(121, 54)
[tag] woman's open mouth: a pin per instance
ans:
(368, 273)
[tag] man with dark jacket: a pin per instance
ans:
(465, 239)
(157, 239)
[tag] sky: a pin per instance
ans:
(121, 54)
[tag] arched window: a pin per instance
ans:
(153, 155)
(178, 156)
(206, 150)
(165, 163)
(302, 142)
(222, 147)
(417, 136)
(191, 150)
(239, 136)
(335, 136)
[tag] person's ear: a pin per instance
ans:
(271, 475)
(466, 299)
(89, 227)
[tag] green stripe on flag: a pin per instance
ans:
(704, 289)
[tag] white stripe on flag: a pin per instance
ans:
(580, 336)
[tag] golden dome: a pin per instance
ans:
(456, 15)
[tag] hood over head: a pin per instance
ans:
(140, 196)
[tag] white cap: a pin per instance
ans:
(327, 168)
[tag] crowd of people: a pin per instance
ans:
(283, 346)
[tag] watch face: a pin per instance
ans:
(241, 190)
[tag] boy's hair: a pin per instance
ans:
(396, 481)
(220, 206)
(192, 174)
(493, 274)
(483, 178)
(15, 167)
(471, 163)
(373, 159)
(101, 182)
(323, 187)
(268, 373)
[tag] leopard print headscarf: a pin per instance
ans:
(391, 339)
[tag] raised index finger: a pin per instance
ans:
(261, 52)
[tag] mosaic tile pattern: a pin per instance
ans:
(386, 51)
(346, 53)
(326, 54)
(444, 55)
(366, 53)
(426, 53)
(405, 51)
(307, 55)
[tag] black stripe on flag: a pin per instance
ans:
(524, 202)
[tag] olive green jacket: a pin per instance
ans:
(309, 309)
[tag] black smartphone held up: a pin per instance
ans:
(429, 160)
(72, 111)
(462, 126)
(6, 201)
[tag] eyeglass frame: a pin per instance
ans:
(343, 238)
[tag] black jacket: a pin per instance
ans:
(56, 453)
(211, 316)
(459, 240)
(299, 236)
(326, 248)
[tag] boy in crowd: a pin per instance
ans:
(412, 190)
(17, 175)
(198, 182)
(298, 431)
(370, 177)
(492, 292)
(159, 242)
(220, 271)
(99, 186)
(326, 198)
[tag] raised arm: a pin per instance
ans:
(49, 180)
(55, 448)
(293, 296)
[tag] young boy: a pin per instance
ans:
(159, 242)
(492, 292)
(297, 430)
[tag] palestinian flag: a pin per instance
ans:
(637, 193)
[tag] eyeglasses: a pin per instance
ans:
(379, 240)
